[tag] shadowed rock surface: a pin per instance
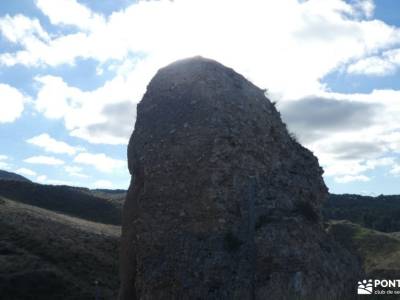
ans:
(223, 203)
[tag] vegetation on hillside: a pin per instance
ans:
(50, 247)
(380, 213)
(4, 175)
(379, 251)
(77, 202)
(45, 255)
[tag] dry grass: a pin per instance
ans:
(47, 255)
(379, 252)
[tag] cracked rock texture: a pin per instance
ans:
(223, 202)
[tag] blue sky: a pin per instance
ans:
(72, 72)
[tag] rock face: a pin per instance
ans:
(223, 202)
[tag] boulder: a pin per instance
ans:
(224, 203)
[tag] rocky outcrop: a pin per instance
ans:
(223, 202)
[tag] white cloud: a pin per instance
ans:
(27, 172)
(38, 47)
(27, 33)
(103, 184)
(100, 161)
(55, 97)
(286, 46)
(41, 49)
(44, 180)
(105, 115)
(385, 64)
(362, 138)
(60, 50)
(51, 145)
(352, 178)
(366, 7)
(70, 12)
(3, 162)
(21, 29)
(281, 42)
(343, 168)
(12, 103)
(44, 160)
(4, 165)
(395, 170)
(75, 171)
(41, 178)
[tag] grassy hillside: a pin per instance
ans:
(50, 247)
(4, 175)
(116, 196)
(378, 251)
(72, 201)
(380, 213)
(45, 255)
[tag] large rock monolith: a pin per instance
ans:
(223, 202)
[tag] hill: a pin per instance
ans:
(77, 202)
(116, 195)
(46, 255)
(378, 251)
(380, 213)
(4, 175)
(50, 246)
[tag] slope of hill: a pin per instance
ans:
(380, 213)
(77, 202)
(4, 175)
(46, 255)
(379, 251)
(47, 252)
(115, 195)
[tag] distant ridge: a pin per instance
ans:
(379, 213)
(5, 175)
(76, 202)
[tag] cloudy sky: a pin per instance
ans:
(72, 72)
